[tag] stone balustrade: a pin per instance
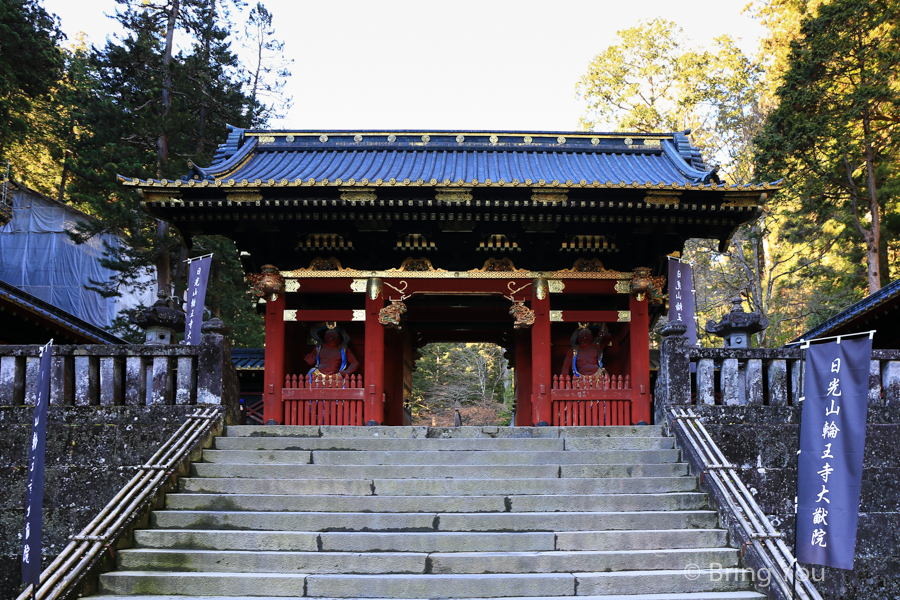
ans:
(115, 375)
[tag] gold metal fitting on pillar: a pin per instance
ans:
(541, 289)
(374, 288)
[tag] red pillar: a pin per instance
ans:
(640, 360)
(540, 354)
(273, 409)
(374, 367)
(523, 378)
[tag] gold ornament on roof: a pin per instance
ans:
(392, 138)
(460, 138)
(527, 139)
(357, 138)
(561, 139)
(426, 138)
(323, 138)
(289, 139)
(494, 139)
(595, 141)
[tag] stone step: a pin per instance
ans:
(641, 539)
(300, 541)
(568, 562)
(154, 583)
(306, 471)
(676, 596)
(432, 504)
(390, 444)
(440, 586)
(504, 522)
(439, 487)
(441, 457)
(231, 561)
(239, 561)
(682, 580)
(331, 431)
(344, 541)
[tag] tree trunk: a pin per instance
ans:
(162, 144)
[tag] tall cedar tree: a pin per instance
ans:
(834, 135)
(140, 114)
(30, 66)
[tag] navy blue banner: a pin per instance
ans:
(198, 275)
(681, 298)
(832, 441)
(34, 500)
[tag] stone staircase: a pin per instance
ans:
(415, 512)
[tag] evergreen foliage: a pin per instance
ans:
(142, 106)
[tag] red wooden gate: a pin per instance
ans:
(323, 400)
(591, 401)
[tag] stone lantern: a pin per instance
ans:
(737, 326)
(161, 321)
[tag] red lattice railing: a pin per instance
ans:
(591, 401)
(323, 400)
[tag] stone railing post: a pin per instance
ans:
(673, 383)
(216, 374)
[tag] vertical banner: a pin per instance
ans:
(34, 500)
(832, 440)
(681, 298)
(198, 275)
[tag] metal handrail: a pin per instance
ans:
(770, 547)
(83, 548)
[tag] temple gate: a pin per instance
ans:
(551, 245)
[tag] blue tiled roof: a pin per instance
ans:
(443, 158)
(867, 304)
(249, 359)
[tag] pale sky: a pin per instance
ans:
(465, 64)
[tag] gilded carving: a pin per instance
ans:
(291, 285)
(549, 196)
(325, 264)
(268, 284)
(652, 143)
(460, 138)
(541, 290)
(555, 286)
(556, 316)
(561, 139)
(644, 284)
(623, 286)
(588, 265)
(415, 264)
(358, 285)
(527, 140)
(390, 315)
(170, 197)
(289, 139)
(494, 139)
(290, 315)
(267, 139)
(392, 138)
(624, 316)
(495, 265)
(357, 138)
(426, 138)
(358, 194)
(243, 196)
(524, 316)
(628, 141)
(595, 141)
(323, 138)
(662, 197)
(745, 200)
(374, 288)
